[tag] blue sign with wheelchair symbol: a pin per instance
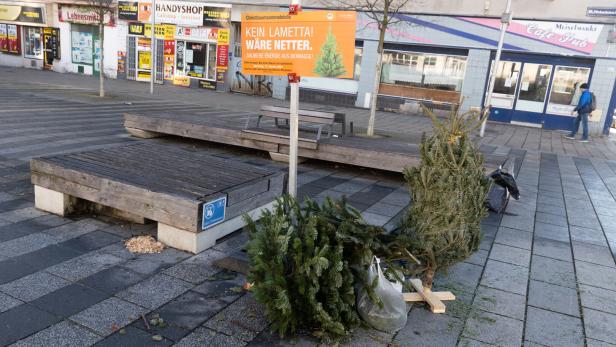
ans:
(214, 212)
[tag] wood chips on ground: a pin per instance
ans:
(144, 244)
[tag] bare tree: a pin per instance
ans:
(383, 13)
(103, 9)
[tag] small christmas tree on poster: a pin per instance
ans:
(329, 62)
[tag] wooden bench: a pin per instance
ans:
(318, 120)
(195, 197)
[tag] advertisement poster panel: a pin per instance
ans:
(216, 16)
(4, 42)
(311, 43)
(169, 59)
(13, 39)
(128, 10)
(222, 50)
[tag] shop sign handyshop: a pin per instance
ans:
(194, 14)
(82, 15)
(311, 43)
(24, 14)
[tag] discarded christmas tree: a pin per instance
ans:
(448, 191)
(329, 62)
(305, 262)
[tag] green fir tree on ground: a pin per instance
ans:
(329, 62)
(306, 261)
(448, 191)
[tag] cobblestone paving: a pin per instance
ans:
(544, 275)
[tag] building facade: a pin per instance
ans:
(446, 60)
(551, 48)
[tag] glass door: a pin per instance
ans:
(505, 87)
(533, 88)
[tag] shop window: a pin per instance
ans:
(357, 63)
(33, 43)
(431, 61)
(424, 70)
(237, 39)
(566, 91)
(196, 59)
(85, 46)
(507, 75)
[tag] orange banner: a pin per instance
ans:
(311, 43)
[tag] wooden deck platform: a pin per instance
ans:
(195, 197)
(223, 126)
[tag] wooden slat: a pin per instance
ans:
(302, 118)
(436, 305)
(301, 112)
(277, 138)
(415, 297)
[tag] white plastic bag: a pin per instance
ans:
(391, 317)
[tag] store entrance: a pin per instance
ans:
(538, 94)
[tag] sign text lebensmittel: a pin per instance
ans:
(311, 43)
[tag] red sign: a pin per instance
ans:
(4, 41)
(222, 54)
(13, 38)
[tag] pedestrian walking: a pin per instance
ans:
(584, 107)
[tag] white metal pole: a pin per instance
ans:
(293, 130)
(505, 19)
(153, 47)
(293, 138)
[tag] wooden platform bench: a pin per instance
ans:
(308, 120)
(196, 198)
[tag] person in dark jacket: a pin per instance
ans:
(583, 109)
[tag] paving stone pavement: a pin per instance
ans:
(545, 274)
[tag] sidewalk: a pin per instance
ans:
(404, 126)
(545, 273)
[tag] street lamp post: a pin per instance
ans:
(505, 20)
(293, 125)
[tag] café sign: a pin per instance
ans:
(579, 37)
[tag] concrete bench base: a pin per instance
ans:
(143, 134)
(63, 205)
(53, 202)
(284, 158)
(198, 242)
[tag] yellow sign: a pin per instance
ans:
(144, 60)
(9, 12)
(183, 81)
(143, 75)
(311, 43)
(162, 31)
(223, 36)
